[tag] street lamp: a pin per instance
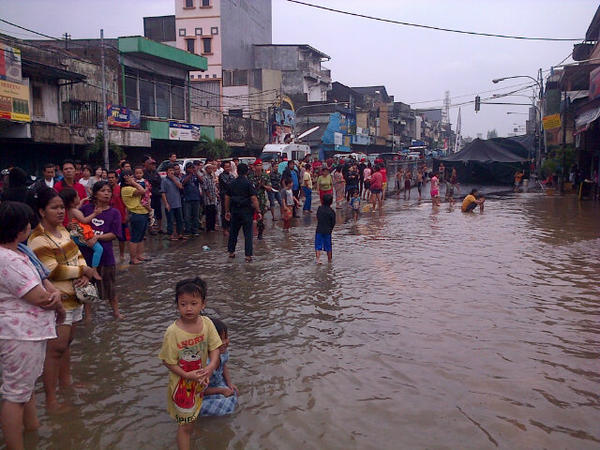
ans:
(539, 82)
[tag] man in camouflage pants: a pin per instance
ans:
(262, 183)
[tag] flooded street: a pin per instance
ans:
(430, 329)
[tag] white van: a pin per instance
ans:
(295, 152)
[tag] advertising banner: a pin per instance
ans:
(184, 131)
(10, 63)
(14, 101)
(551, 122)
(119, 116)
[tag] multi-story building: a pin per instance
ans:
(147, 90)
(304, 79)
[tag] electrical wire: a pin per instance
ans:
(469, 95)
(430, 27)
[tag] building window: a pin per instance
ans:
(38, 103)
(131, 92)
(240, 78)
(177, 102)
(190, 44)
(182, 32)
(236, 112)
(207, 76)
(214, 75)
(147, 106)
(198, 31)
(227, 78)
(189, 4)
(205, 3)
(206, 45)
(162, 100)
(214, 30)
(257, 78)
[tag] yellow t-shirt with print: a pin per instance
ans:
(190, 352)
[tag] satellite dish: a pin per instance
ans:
(307, 132)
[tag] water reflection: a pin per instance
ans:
(431, 328)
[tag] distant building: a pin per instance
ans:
(304, 79)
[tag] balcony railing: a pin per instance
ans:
(82, 113)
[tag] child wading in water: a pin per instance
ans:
(187, 344)
(355, 204)
(79, 228)
(220, 397)
(289, 201)
(325, 224)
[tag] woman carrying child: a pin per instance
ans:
(187, 345)
(79, 226)
(107, 227)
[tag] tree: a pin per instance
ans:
(491, 134)
(213, 149)
(95, 151)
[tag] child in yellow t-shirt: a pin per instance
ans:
(187, 344)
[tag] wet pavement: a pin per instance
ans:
(431, 329)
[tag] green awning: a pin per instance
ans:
(139, 45)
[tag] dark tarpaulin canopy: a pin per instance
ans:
(493, 161)
(499, 150)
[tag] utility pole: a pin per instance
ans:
(104, 109)
(67, 36)
(565, 108)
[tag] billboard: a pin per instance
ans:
(551, 122)
(14, 101)
(10, 63)
(184, 131)
(119, 116)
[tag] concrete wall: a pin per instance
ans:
(243, 24)
(49, 99)
(279, 58)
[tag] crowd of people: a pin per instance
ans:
(58, 239)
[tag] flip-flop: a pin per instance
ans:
(136, 264)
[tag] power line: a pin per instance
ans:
(31, 31)
(522, 85)
(430, 27)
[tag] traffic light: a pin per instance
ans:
(477, 103)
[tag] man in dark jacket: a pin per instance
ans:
(241, 204)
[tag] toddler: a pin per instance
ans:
(220, 397)
(146, 199)
(187, 344)
(289, 201)
(355, 204)
(79, 229)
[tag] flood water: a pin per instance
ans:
(431, 329)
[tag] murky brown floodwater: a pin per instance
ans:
(430, 330)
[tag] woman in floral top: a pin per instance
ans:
(27, 321)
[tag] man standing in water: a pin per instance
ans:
(262, 183)
(240, 204)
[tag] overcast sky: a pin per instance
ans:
(415, 65)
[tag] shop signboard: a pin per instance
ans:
(179, 131)
(122, 117)
(10, 63)
(551, 122)
(14, 101)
